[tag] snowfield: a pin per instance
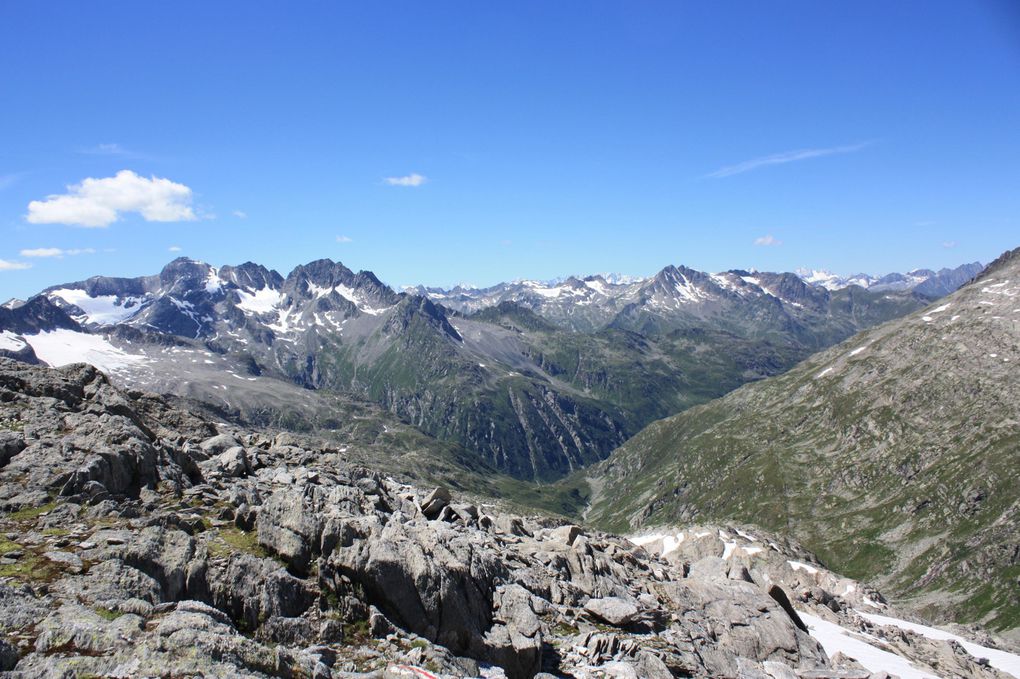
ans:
(834, 639)
(61, 347)
(1000, 660)
(102, 310)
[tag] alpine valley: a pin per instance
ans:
(731, 474)
(534, 380)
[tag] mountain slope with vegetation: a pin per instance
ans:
(894, 456)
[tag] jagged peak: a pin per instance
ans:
(251, 275)
(184, 268)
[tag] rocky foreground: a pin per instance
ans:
(139, 540)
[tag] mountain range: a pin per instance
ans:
(591, 302)
(534, 390)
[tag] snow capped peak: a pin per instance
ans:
(832, 281)
(621, 279)
(940, 282)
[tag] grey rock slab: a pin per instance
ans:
(438, 499)
(613, 610)
(66, 559)
(566, 534)
(218, 444)
(778, 670)
(234, 462)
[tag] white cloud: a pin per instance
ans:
(56, 252)
(767, 241)
(783, 158)
(240, 214)
(344, 239)
(174, 248)
(13, 266)
(949, 244)
(100, 202)
(413, 179)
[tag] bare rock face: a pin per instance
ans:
(136, 538)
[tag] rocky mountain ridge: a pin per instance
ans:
(925, 281)
(592, 302)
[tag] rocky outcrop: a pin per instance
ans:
(139, 538)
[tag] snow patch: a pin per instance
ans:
(10, 341)
(103, 309)
(1000, 660)
(798, 566)
(643, 540)
(212, 282)
(259, 302)
(671, 543)
(61, 347)
(550, 293)
(835, 639)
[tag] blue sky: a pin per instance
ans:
(461, 141)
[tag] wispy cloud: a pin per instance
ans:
(783, 158)
(344, 239)
(174, 248)
(413, 179)
(9, 180)
(56, 252)
(240, 214)
(111, 149)
(767, 241)
(949, 244)
(6, 265)
(100, 202)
